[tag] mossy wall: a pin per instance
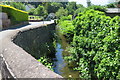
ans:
(38, 42)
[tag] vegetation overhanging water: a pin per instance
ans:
(62, 66)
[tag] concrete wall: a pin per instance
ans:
(18, 62)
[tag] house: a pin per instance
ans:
(113, 12)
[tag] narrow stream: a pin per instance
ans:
(60, 65)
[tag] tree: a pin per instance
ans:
(40, 11)
(52, 7)
(97, 7)
(17, 5)
(78, 11)
(31, 11)
(71, 7)
(61, 12)
(80, 8)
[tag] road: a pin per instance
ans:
(42, 22)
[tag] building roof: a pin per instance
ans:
(113, 10)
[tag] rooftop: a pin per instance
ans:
(113, 10)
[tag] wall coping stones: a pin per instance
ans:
(20, 63)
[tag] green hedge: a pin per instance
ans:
(14, 14)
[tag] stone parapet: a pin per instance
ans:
(19, 63)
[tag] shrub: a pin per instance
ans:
(14, 14)
(96, 45)
(66, 27)
(45, 61)
(66, 18)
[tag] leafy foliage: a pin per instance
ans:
(66, 27)
(45, 61)
(52, 7)
(96, 7)
(40, 11)
(95, 46)
(17, 5)
(61, 12)
(31, 11)
(71, 7)
(79, 10)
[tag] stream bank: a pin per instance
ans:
(62, 66)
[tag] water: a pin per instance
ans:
(61, 66)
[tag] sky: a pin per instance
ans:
(95, 2)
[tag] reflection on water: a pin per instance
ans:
(60, 65)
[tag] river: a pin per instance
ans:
(61, 66)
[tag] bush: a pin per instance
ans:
(66, 18)
(96, 45)
(66, 27)
(14, 14)
(45, 61)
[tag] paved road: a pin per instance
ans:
(43, 22)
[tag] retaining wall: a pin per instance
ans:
(19, 63)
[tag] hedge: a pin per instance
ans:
(14, 14)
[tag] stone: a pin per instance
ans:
(3, 15)
(4, 21)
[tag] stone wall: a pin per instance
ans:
(37, 42)
(15, 61)
(5, 22)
